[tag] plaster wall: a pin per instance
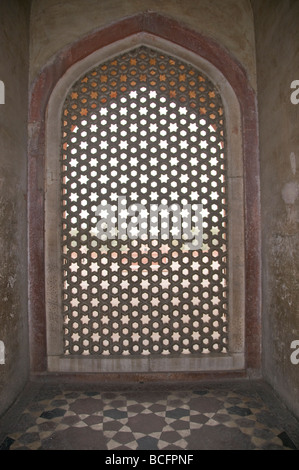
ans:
(57, 23)
(277, 44)
(14, 66)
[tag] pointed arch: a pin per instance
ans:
(230, 76)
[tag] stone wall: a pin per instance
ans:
(55, 24)
(14, 65)
(277, 44)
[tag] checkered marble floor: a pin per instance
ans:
(197, 419)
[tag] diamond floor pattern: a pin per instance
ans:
(199, 418)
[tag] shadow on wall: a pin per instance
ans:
(284, 260)
(290, 193)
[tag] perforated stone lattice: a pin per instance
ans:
(149, 129)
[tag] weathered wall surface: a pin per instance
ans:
(14, 49)
(277, 39)
(57, 23)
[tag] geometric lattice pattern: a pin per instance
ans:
(143, 180)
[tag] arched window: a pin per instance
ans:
(144, 195)
(143, 181)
